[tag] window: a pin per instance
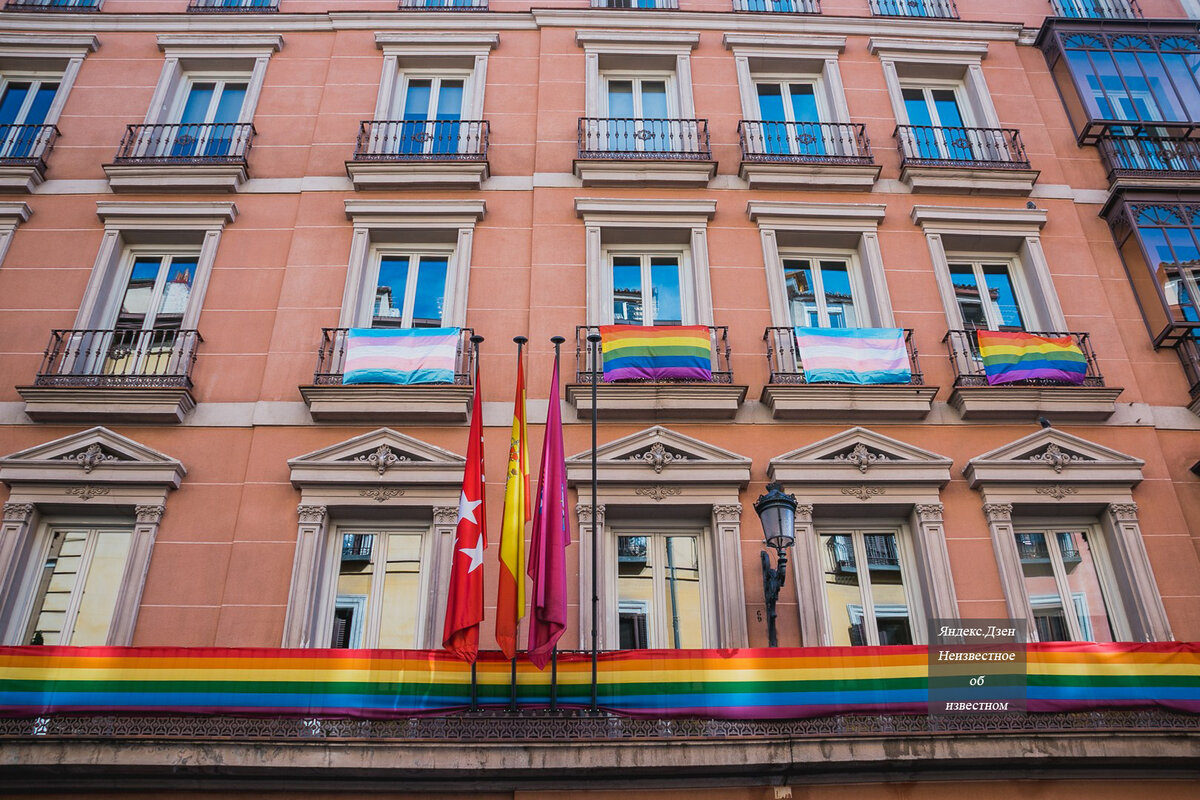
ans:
(157, 292)
(206, 110)
(937, 108)
(25, 102)
(210, 80)
(380, 596)
(987, 294)
(791, 116)
(410, 291)
(866, 606)
(647, 289)
(661, 592)
(1061, 570)
(431, 110)
(821, 291)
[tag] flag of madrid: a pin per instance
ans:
(464, 606)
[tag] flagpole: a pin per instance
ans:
(512, 681)
(475, 341)
(558, 341)
(594, 348)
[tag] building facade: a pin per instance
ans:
(202, 197)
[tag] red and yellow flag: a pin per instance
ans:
(510, 599)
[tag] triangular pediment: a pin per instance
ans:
(95, 455)
(860, 454)
(1052, 454)
(662, 454)
(382, 454)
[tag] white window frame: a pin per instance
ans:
(640, 52)
(656, 627)
(784, 81)
(687, 293)
(977, 261)
(129, 256)
(219, 79)
(189, 57)
(790, 57)
(33, 77)
(408, 54)
(907, 62)
(637, 79)
(18, 50)
(858, 292)
(926, 87)
(366, 315)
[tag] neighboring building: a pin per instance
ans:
(203, 196)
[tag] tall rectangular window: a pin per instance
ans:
(988, 295)
(1062, 576)
(791, 115)
(24, 101)
(410, 290)
(866, 588)
(378, 600)
(821, 292)
(661, 592)
(647, 289)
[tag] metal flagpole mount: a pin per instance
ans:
(594, 354)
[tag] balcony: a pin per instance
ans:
(23, 153)
(1150, 161)
(330, 401)
(443, 5)
(356, 547)
(938, 9)
(637, 4)
(882, 555)
(233, 6)
(644, 152)
(53, 5)
(181, 158)
(1034, 550)
(974, 398)
(114, 376)
(406, 154)
(778, 6)
(790, 396)
(1189, 355)
(656, 401)
(1097, 9)
(806, 155)
(964, 160)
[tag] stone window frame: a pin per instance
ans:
(461, 51)
(194, 53)
(972, 232)
(631, 50)
(130, 224)
(360, 481)
(12, 215)
(903, 488)
(823, 226)
(1051, 473)
(637, 474)
(59, 53)
(669, 225)
(401, 224)
(959, 62)
(92, 473)
(795, 55)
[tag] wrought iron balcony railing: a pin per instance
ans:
(26, 144)
(1034, 548)
(644, 4)
(718, 339)
(968, 363)
(786, 366)
(356, 547)
(331, 358)
(218, 143)
(607, 137)
(805, 142)
(779, 6)
(53, 5)
(1132, 156)
(943, 9)
(422, 140)
(100, 358)
(881, 552)
(233, 6)
(1097, 9)
(992, 148)
(1189, 355)
(443, 5)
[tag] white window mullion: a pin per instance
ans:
(1066, 598)
(375, 596)
(76, 598)
(870, 627)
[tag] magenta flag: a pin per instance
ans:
(549, 540)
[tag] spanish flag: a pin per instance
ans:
(510, 598)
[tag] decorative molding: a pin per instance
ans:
(657, 457)
(1054, 456)
(18, 512)
(862, 457)
(998, 512)
(727, 512)
(149, 515)
(86, 493)
(929, 512)
(311, 515)
(657, 492)
(584, 512)
(1057, 491)
(1123, 512)
(90, 458)
(863, 492)
(381, 493)
(804, 512)
(382, 458)
(445, 515)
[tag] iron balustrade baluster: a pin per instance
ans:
(805, 142)
(422, 140)
(963, 348)
(233, 6)
(718, 341)
(443, 5)
(122, 357)
(193, 143)
(779, 6)
(637, 4)
(939, 9)
(1147, 155)
(27, 144)
(331, 357)
(52, 5)
(1097, 9)
(626, 138)
(992, 148)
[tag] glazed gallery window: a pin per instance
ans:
(989, 294)
(380, 595)
(867, 587)
(74, 593)
(1065, 575)
(822, 291)
(25, 101)
(650, 289)
(1172, 245)
(662, 590)
(410, 289)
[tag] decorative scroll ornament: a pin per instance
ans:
(445, 515)
(657, 457)
(311, 515)
(584, 512)
(1056, 491)
(929, 512)
(998, 512)
(863, 492)
(804, 512)
(381, 493)
(91, 458)
(17, 512)
(149, 515)
(1057, 458)
(86, 493)
(728, 512)
(657, 492)
(862, 457)
(1124, 512)
(382, 458)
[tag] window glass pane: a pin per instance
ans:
(888, 593)
(802, 298)
(770, 102)
(839, 296)
(1003, 295)
(69, 559)
(916, 107)
(11, 102)
(176, 291)
(389, 292)
(842, 591)
(682, 598)
(654, 100)
(804, 103)
(450, 97)
(195, 108)
(401, 591)
(229, 106)
(620, 99)
(1083, 582)
(627, 290)
(431, 288)
(416, 100)
(1089, 73)
(353, 588)
(101, 587)
(635, 591)
(664, 280)
(136, 303)
(949, 114)
(1042, 588)
(966, 292)
(1167, 102)
(1138, 100)
(54, 590)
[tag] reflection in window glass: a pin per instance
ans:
(378, 606)
(659, 593)
(865, 607)
(1172, 246)
(646, 290)
(820, 293)
(77, 590)
(1063, 586)
(987, 296)
(410, 291)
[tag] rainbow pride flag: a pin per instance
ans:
(1010, 356)
(767, 683)
(853, 355)
(400, 356)
(656, 353)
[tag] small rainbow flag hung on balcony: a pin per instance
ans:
(389, 355)
(1010, 356)
(656, 353)
(853, 355)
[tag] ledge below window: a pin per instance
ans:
(1077, 403)
(848, 402)
(658, 401)
(107, 404)
(21, 177)
(417, 174)
(645, 172)
(964, 180)
(783, 175)
(175, 177)
(388, 404)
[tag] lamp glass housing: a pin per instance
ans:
(777, 512)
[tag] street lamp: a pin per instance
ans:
(777, 513)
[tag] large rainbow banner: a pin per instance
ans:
(656, 352)
(778, 683)
(1010, 356)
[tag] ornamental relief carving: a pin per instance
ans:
(929, 512)
(86, 493)
(583, 511)
(1056, 491)
(998, 512)
(731, 512)
(445, 515)
(149, 515)
(658, 492)
(657, 457)
(1057, 458)
(381, 493)
(18, 512)
(863, 492)
(804, 512)
(90, 458)
(862, 457)
(1123, 512)
(311, 515)
(382, 459)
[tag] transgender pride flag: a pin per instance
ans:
(853, 355)
(390, 355)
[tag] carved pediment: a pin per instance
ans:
(97, 456)
(860, 455)
(382, 455)
(661, 455)
(1053, 456)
